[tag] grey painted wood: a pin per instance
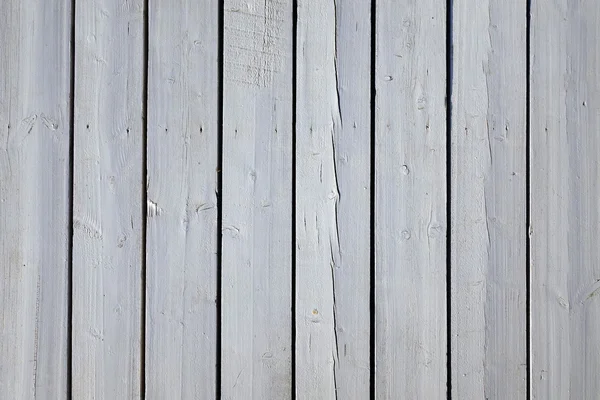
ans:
(333, 205)
(182, 200)
(410, 200)
(489, 294)
(333, 200)
(565, 268)
(35, 78)
(107, 214)
(257, 200)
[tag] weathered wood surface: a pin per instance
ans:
(35, 76)
(108, 185)
(565, 186)
(410, 200)
(182, 200)
(164, 253)
(488, 233)
(257, 200)
(333, 139)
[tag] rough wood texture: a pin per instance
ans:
(35, 78)
(489, 355)
(565, 186)
(257, 200)
(108, 185)
(182, 200)
(333, 200)
(410, 203)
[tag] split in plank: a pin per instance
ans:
(488, 204)
(333, 210)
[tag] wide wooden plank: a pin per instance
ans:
(257, 200)
(565, 187)
(35, 77)
(410, 200)
(488, 232)
(333, 200)
(107, 209)
(182, 200)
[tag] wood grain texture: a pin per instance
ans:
(489, 293)
(565, 187)
(107, 210)
(410, 200)
(257, 200)
(182, 200)
(35, 94)
(333, 200)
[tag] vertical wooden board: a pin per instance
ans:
(35, 75)
(565, 187)
(488, 232)
(182, 200)
(410, 200)
(257, 200)
(333, 200)
(107, 210)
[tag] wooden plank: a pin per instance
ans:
(410, 200)
(35, 75)
(182, 200)
(257, 200)
(565, 186)
(488, 232)
(107, 210)
(333, 159)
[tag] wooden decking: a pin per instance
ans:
(299, 199)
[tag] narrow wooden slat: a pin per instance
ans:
(489, 352)
(333, 200)
(257, 200)
(565, 187)
(410, 200)
(182, 200)
(107, 210)
(35, 76)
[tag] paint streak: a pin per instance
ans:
(487, 119)
(335, 63)
(36, 338)
(486, 217)
(336, 196)
(589, 293)
(89, 225)
(49, 122)
(153, 209)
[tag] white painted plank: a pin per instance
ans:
(257, 200)
(35, 78)
(107, 210)
(488, 233)
(565, 187)
(182, 200)
(333, 217)
(410, 200)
